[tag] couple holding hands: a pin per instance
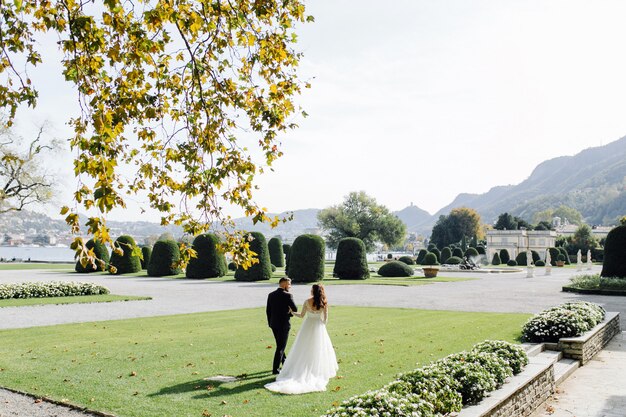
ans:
(312, 361)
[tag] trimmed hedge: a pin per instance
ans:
(445, 254)
(481, 250)
(437, 254)
(407, 260)
(454, 260)
(261, 270)
(101, 253)
(232, 266)
(209, 261)
(146, 252)
(504, 256)
(615, 253)
(540, 263)
(277, 256)
(50, 289)
(306, 259)
(286, 250)
(496, 259)
(521, 258)
(127, 262)
(458, 252)
(395, 269)
(351, 262)
(165, 256)
(471, 253)
(430, 259)
(554, 255)
(420, 256)
(511, 263)
(565, 254)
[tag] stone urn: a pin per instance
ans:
(430, 271)
(560, 263)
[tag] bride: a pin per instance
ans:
(311, 361)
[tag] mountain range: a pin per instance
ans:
(592, 181)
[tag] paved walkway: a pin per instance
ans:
(506, 292)
(597, 389)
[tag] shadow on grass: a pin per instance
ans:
(207, 388)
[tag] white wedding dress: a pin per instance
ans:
(311, 362)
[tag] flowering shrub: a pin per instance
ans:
(49, 289)
(441, 387)
(383, 403)
(586, 281)
(514, 355)
(566, 320)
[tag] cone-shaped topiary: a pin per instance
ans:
(286, 250)
(165, 256)
(445, 254)
(504, 256)
(395, 269)
(306, 259)
(420, 256)
(146, 252)
(496, 259)
(565, 254)
(101, 253)
(430, 259)
(209, 261)
(351, 260)
(128, 262)
(615, 253)
(277, 256)
(261, 270)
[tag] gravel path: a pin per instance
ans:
(506, 292)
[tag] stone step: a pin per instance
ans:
(547, 356)
(564, 368)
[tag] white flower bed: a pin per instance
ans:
(565, 320)
(49, 289)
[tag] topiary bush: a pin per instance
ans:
(471, 253)
(521, 258)
(351, 262)
(209, 261)
(504, 256)
(407, 260)
(445, 254)
(277, 256)
(306, 259)
(454, 260)
(481, 250)
(420, 256)
(128, 262)
(430, 259)
(511, 263)
(615, 253)
(565, 254)
(232, 266)
(101, 262)
(458, 252)
(286, 250)
(437, 254)
(395, 269)
(496, 259)
(261, 270)
(146, 252)
(540, 263)
(165, 256)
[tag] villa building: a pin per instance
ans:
(516, 241)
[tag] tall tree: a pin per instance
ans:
(24, 179)
(461, 222)
(361, 216)
(505, 222)
(192, 94)
(582, 239)
(570, 214)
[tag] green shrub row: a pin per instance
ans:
(565, 320)
(395, 269)
(595, 281)
(442, 387)
(49, 289)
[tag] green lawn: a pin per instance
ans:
(20, 266)
(104, 298)
(156, 366)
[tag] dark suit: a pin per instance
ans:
(278, 315)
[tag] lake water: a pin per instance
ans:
(47, 254)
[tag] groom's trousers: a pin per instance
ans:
(281, 334)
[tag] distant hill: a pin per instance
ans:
(414, 218)
(592, 181)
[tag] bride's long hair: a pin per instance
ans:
(319, 297)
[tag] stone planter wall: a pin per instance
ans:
(585, 347)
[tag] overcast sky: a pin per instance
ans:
(418, 101)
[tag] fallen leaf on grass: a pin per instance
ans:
(133, 373)
(206, 413)
(38, 400)
(337, 388)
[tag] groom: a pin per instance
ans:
(278, 304)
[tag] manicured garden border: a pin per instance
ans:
(595, 291)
